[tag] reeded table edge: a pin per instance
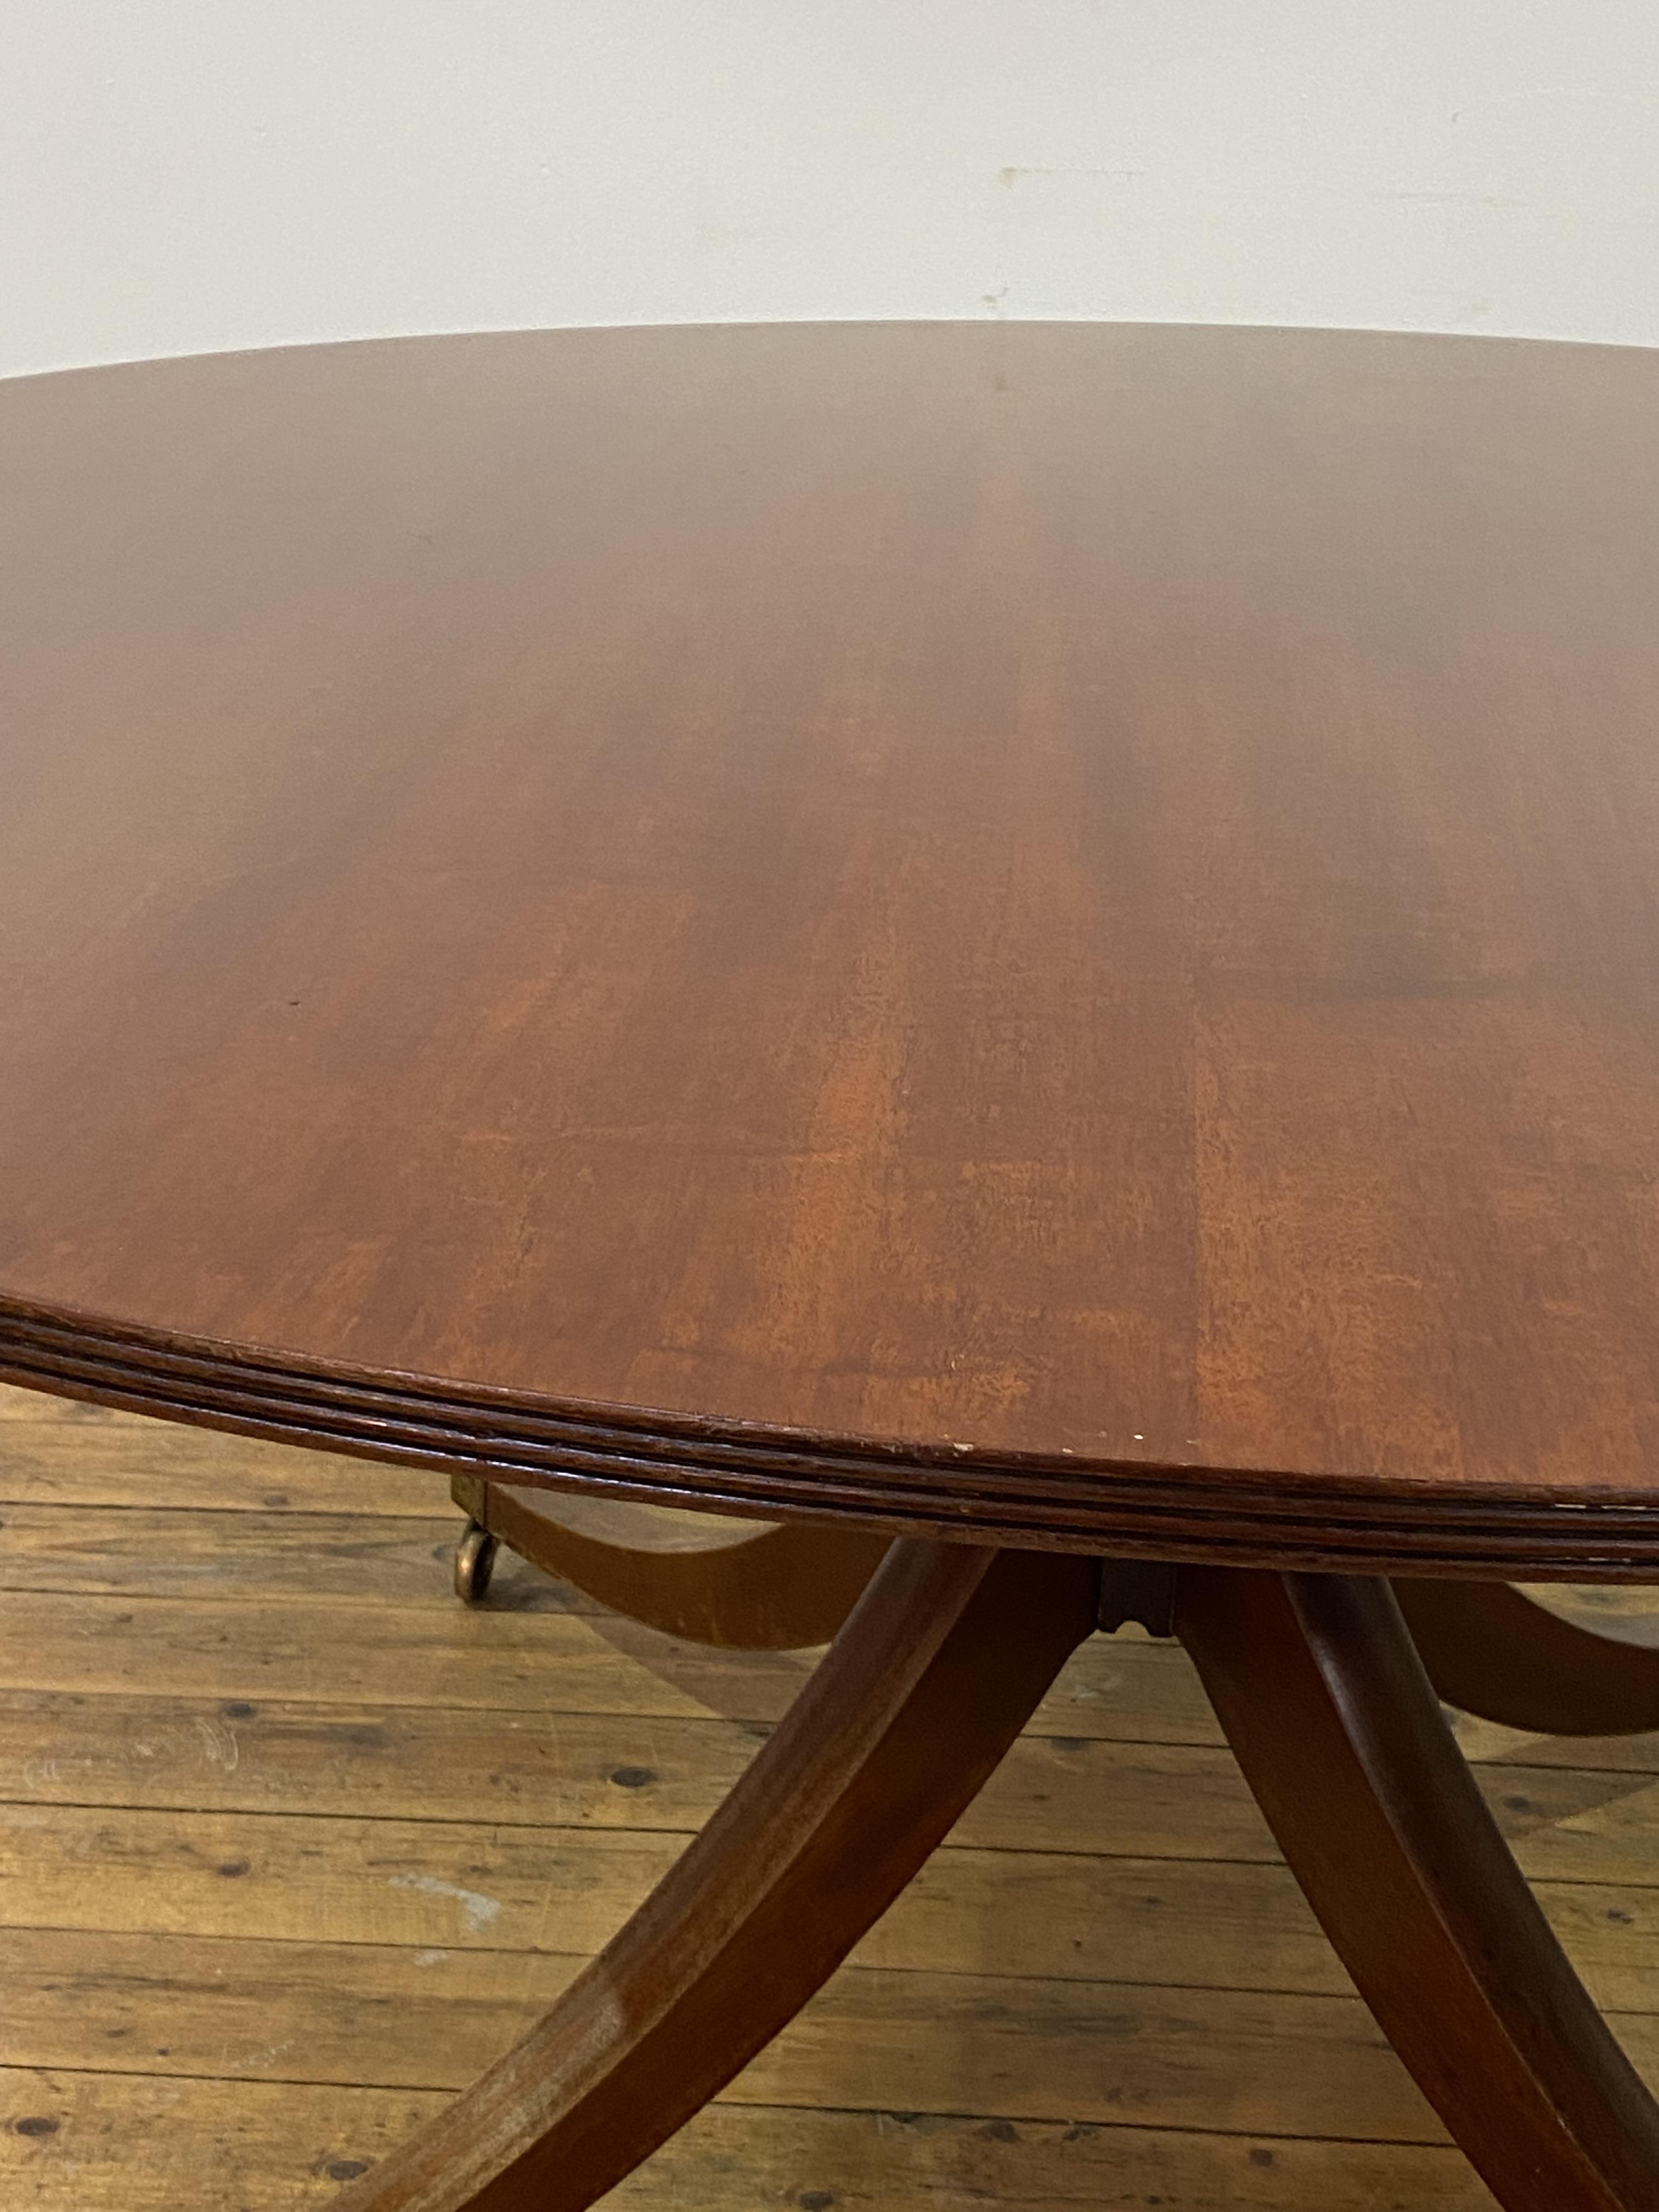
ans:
(1250, 1517)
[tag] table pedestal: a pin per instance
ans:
(938, 1665)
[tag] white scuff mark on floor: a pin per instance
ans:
(219, 1744)
(477, 1910)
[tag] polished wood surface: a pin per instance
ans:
(1491, 1650)
(1337, 1731)
(1042, 931)
(940, 1664)
(745, 1585)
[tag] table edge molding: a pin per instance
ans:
(1244, 1517)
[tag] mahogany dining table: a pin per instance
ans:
(1030, 952)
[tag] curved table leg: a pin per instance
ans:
(1340, 1736)
(941, 1663)
(747, 1585)
(1490, 1651)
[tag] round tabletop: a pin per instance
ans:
(1044, 929)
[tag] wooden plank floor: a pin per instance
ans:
(291, 1845)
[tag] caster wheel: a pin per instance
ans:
(475, 1557)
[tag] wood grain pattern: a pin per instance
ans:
(134, 2142)
(1023, 1896)
(90, 2139)
(936, 2042)
(315, 1651)
(1042, 931)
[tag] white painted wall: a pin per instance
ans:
(178, 175)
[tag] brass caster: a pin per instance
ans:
(475, 1559)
